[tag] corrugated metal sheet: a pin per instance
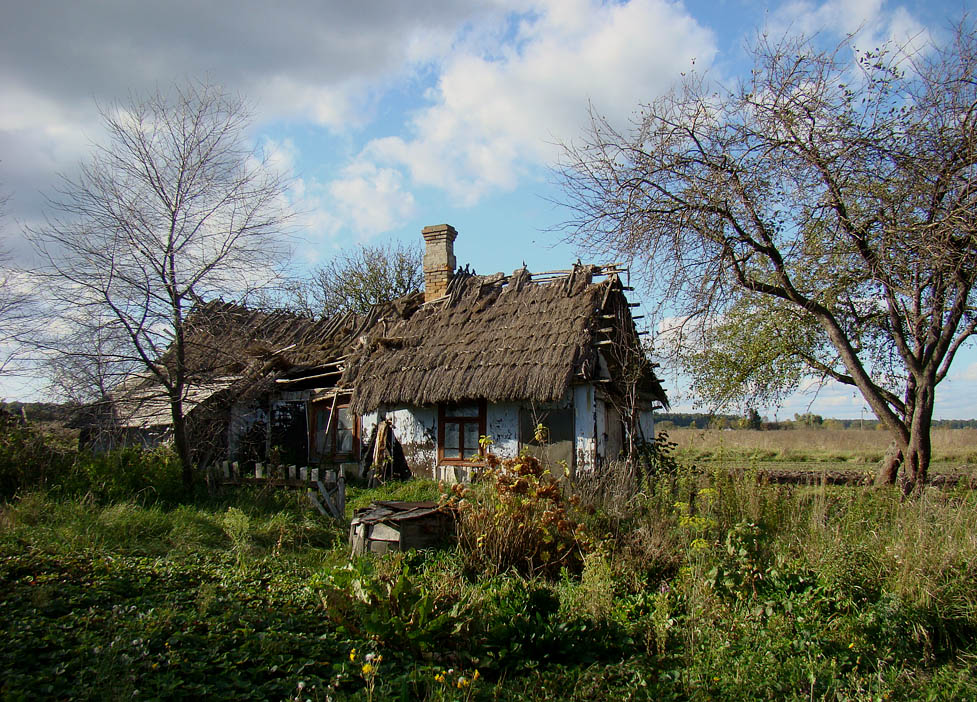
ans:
(142, 404)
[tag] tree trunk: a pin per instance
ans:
(180, 440)
(890, 466)
(918, 453)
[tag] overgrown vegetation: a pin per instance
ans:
(672, 584)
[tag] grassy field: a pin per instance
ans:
(795, 449)
(695, 586)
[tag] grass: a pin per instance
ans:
(953, 449)
(698, 586)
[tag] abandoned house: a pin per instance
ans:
(551, 363)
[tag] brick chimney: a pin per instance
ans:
(439, 259)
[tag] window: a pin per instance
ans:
(459, 426)
(336, 439)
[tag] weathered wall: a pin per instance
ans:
(613, 435)
(502, 424)
(646, 421)
(585, 427)
(416, 428)
(247, 432)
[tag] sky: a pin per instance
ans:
(391, 115)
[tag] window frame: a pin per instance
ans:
(444, 417)
(323, 408)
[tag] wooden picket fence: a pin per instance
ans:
(326, 489)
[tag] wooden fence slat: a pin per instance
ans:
(326, 489)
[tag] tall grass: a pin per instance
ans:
(811, 444)
(247, 525)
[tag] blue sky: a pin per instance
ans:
(391, 115)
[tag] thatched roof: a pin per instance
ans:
(233, 348)
(498, 338)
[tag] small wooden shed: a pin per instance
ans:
(400, 526)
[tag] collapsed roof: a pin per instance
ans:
(498, 338)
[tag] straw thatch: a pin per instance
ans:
(493, 338)
(498, 338)
(242, 351)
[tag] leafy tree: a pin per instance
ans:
(818, 218)
(808, 419)
(358, 278)
(173, 208)
(751, 420)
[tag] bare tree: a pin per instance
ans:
(174, 208)
(818, 218)
(358, 278)
(16, 308)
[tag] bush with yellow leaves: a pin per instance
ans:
(518, 517)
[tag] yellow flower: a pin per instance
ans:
(462, 682)
(476, 676)
(352, 655)
(368, 669)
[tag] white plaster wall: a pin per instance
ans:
(502, 424)
(585, 427)
(416, 428)
(646, 420)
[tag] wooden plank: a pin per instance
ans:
(341, 491)
(327, 494)
(316, 504)
(285, 381)
(384, 532)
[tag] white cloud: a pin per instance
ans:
(372, 198)
(869, 20)
(497, 115)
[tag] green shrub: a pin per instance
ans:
(128, 473)
(518, 517)
(27, 459)
(387, 606)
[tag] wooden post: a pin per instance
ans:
(341, 492)
(259, 470)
